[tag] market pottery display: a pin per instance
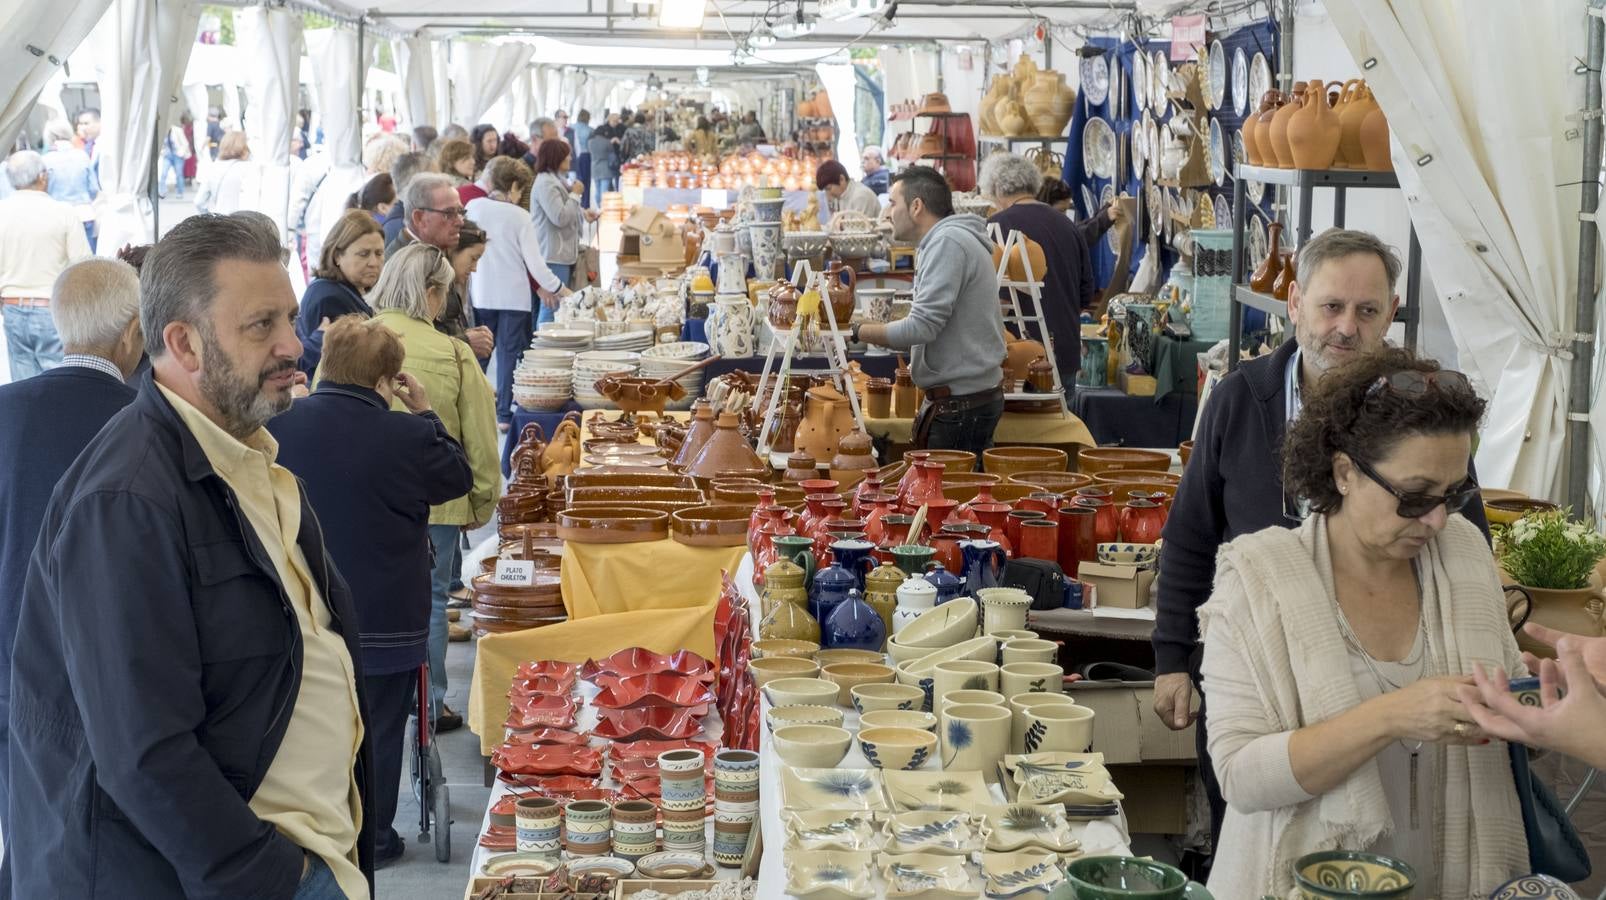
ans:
(915, 595)
(1280, 148)
(1251, 128)
(767, 669)
(1314, 131)
(973, 737)
(1035, 259)
(878, 399)
(1018, 353)
(854, 556)
(1347, 873)
(886, 696)
(913, 559)
(736, 778)
(1002, 608)
(924, 485)
(995, 517)
(683, 798)
(852, 458)
(853, 624)
(897, 748)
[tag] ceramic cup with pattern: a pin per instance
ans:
(973, 736)
(539, 823)
(587, 827)
(1029, 677)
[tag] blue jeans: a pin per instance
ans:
(31, 340)
(599, 185)
(174, 163)
(448, 560)
(512, 329)
(319, 883)
(563, 271)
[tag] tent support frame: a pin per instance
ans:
(1583, 343)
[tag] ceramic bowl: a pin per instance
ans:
(953, 462)
(773, 647)
(1028, 650)
(812, 746)
(1093, 460)
(1505, 512)
(954, 479)
(897, 748)
(981, 649)
(1014, 460)
(1185, 452)
(832, 657)
(1118, 876)
(615, 867)
(1534, 887)
(1112, 477)
(612, 525)
(872, 697)
(673, 864)
(970, 695)
(941, 626)
(1057, 482)
(1117, 554)
(769, 668)
(1005, 635)
(801, 692)
(1349, 874)
(520, 864)
(722, 525)
(899, 718)
(806, 714)
(902, 653)
(847, 676)
(1003, 493)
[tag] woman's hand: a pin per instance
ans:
(480, 340)
(577, 188)
(1591, 650)
(411, 393)
(593, 214)
(1574, 724)
(1431, 710)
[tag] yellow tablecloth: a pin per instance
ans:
(1013, 428)
(660, 595)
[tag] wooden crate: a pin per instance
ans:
(481, 882)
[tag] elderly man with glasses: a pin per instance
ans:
(435, 216)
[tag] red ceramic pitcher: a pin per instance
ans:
(876, 506)
(1142, 521)
(946, 543)
(1039, 539)
(1107, 518)
(926, 487)
(1012, 523)
(814, 511)
(910, 474)
(869, 487)
(1078, 538)
(995, 516)
(1041, 501)
(966, 511)
(834, 508)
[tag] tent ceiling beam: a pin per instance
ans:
(707, 40)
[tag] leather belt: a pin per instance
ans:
(30, 302)
(943, 392)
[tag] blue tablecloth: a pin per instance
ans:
(1117, 419)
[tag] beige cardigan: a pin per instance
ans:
(1274, 661)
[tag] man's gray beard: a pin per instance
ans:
(240, 401)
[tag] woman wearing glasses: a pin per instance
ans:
(1333, 652)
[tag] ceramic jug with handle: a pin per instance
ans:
(1268, 157)
(853, 624)
(841, 291)
(1314, 130)
(1265, 275)
(984, 565)
(831, 586)
(1279, 127)
(1349, 143)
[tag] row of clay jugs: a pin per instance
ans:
(1314, 130)
(1265, 275)
(1281, 151)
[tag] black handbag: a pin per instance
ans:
(1044, 580)
(1554, 848)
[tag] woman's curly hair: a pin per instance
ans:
(1344, 414)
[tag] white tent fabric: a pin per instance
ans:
(415, 60)
(333, 52)
(841, 87)
(141, 50)
(481, 73)
(443, 87)
(1479, 150)
(907, 73)
(963, 70)
(55, 28)
(271, 40)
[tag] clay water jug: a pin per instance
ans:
(1374, 135)
(841, 291)
(926, 487)
(1250, 125)
(1263, 127)
(1265, 274)
(1349, 125)
(1314, 131)
(910, 474)
(827, 418)
(1279, 127)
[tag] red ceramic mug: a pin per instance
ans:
(1039, 539)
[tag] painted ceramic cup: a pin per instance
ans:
(1056, 727)
(685, 830)
(1029, 650)
(973, 736)
(731, 834)
(1003, 609)
(1020, 705)
(635, 828)
(587, 827)
(963, 675)
(978, 697)
(1023, 677)
(539, 821)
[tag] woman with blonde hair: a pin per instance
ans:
(224, 183)
(348, 267)
(408, 299)
(455, 159)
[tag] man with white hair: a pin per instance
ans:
(877, 177)
(50, 420)
(39, 236)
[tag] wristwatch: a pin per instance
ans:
(853, 333)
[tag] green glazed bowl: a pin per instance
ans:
(1125, 878)
(1348, 874)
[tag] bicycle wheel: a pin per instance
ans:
(441, 807)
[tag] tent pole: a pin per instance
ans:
(362, 71)
(1582, 382)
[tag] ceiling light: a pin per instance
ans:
(761, 37)
(682, 13)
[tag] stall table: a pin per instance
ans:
(1118, 419)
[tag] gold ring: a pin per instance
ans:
(1461, 729)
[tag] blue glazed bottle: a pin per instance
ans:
(854, 624)
(831, 587)
(949, 586)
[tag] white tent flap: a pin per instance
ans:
(39, 35)
(481, 73)
(271, 39)
(415, 57)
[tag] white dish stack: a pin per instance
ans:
(664, 360)
(592, 365)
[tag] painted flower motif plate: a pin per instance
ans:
(1020, 874)
(547, 759)
(657, 724)
(829, 875)
(640, 661)
(1078, 779)
(934, 832)
(851, 789)
(928, 876)
(547, 736)
(1016, 826)
(660, 689)
(830, 829)
(948, 790)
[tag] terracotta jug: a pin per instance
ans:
(1349, 125)
(1250, 126)
(1279, 127)
(783, 306)
(827, 417)
(852, 459)
(926, 488)
(785, 433)
(1285, 278)
(1263, 129)
(1314, 131)
(727, 454)
(1374, 135)
(799, 467)
(1265, 275)
(702, 428)
(841, 291)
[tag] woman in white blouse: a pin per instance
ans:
(513, 264)
(224, 184)
(556, 211)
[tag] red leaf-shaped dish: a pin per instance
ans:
(658, 689)
(547, 759)
(548, 736)
(548, 784)
(530, 713)
(551, 668)
(499, 837)
(650, 749)
(537, 685)
(641, 661)
(660, 723)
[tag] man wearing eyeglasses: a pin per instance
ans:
(435, 217)
(1341, 307)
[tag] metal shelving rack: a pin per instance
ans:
(1306, 181)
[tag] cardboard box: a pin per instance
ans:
(1156, 799)
(1125, 728)
(1120, 586)
(649, 235)
(1138, 385)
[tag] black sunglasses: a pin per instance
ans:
(1415, 384)
(1415, 504)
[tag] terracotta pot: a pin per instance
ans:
(702, 428)
(1078, 537)
(925, 488)
(1375, 141)
(800, 467)
(1250, 126)
(1039, 539)
(726, 453)
(1265, 275)
(1107, 521)
(852, 459)
(1268, 157)
(1017, 269)
(1314, 131)
(1576, 612)
(841, 292)
(1279, 127)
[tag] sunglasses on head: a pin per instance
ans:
(1413, 383)
(1416, 504)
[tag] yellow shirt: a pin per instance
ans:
(310, 791)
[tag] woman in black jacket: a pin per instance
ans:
(353, 254)
(372, 498)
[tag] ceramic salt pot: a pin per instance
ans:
(915, 595)
(853, 624)
(881, 592)
(799, 467)
(949, 586)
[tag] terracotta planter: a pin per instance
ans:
(1575, 612)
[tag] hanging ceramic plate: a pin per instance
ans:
(1259, 77)
(1087, 201)
(1140, 154)
(1159, 74)
(1152, 135)
(1255, 189)
(1105, 197)
(1223, 212)
(1218, 154)
(1098, 148)
(1095, 79)
(1240, 82)
(1140, 78)
(1156, 201)
(1217, 73)
(1257, 244)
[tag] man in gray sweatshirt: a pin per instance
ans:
(955, 329)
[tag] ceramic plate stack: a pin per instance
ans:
(635, 341)
(667, 359)
(538, 357)
(571, 339)
(542, 390)
(593, 364)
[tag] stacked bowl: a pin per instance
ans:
(684, 798)
(541, 389)
(664, 360)
(735, 804)
(592, 365)
(626, 340)
(571, 339)
(539, 821)
(587, 826)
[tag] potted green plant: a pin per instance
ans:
(1552, 558)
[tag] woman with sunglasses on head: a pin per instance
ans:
(1333, 651)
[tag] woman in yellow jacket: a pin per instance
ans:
(410, 294)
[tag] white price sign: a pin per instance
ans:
(516, 572)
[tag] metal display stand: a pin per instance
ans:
(1032, 290)
(784, 344)
(1306, 181)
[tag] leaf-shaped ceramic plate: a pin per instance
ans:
(923, 791)
(934, 832)
(830, 829)
(547, 759)
(550, 667)
(650, 749)
(828, 875)
(534, 685)
(855, 789)
(1021, 873)
(548, 736)
(660, 724)
(530, 713)
(640, 661)
(647, 767)
(927, 876)
(660, 689)
(1015, 826)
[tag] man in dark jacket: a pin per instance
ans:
(402, 171)
(51, 417)
(1341, 308)
(372, 475)
(187, 712)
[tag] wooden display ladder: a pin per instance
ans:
(784, 345)
(1032, 290)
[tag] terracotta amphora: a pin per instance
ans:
(1349, 125)
(1314, 131)
(1279, 127)
(1374, 134)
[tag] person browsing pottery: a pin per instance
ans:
(408, 298)
(1334, 650)
(353, 253)
(1571, 715)
(954, 331)
(435, 216)
(843, 194)
(1340, 307)
(877, 177)
(558, 215)
(376, 519)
